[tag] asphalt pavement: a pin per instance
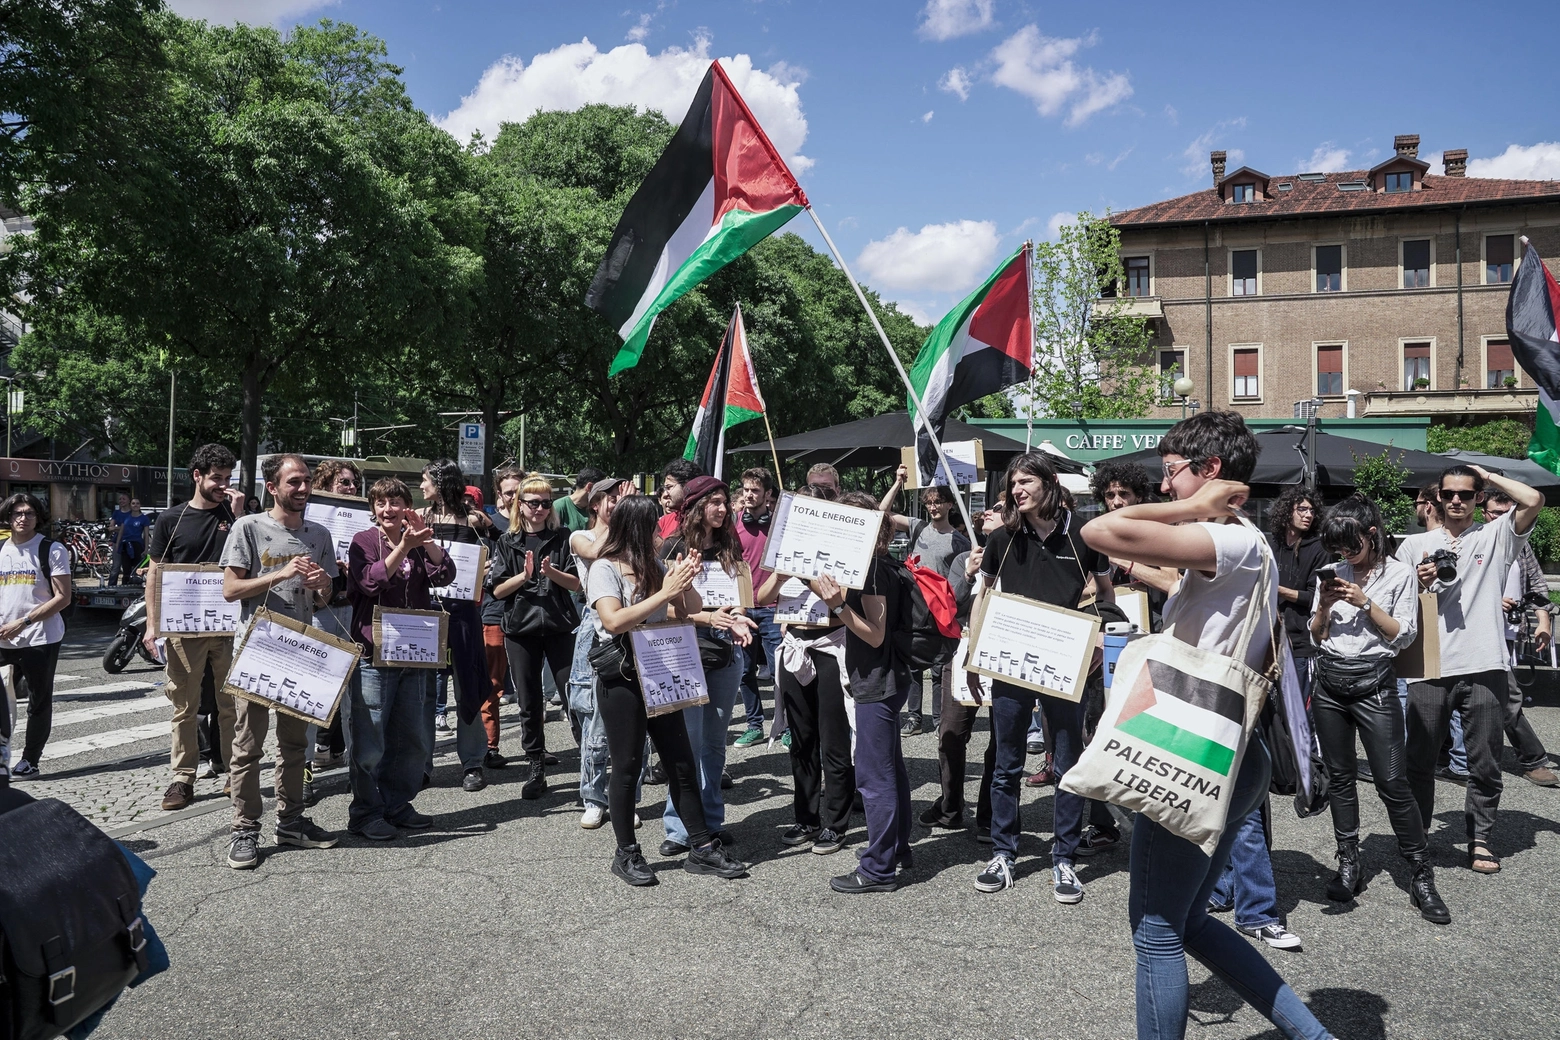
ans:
(503, 921)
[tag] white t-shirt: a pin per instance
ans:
(582, 565)
(1469, 611)
(1209, 612)
(22, 588)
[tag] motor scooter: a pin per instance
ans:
(127, 641)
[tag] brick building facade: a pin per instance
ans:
(1268, 290)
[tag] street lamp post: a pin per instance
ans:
(1182, 387)
(13, 405)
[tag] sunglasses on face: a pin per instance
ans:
(535, 503)
(1454, 495)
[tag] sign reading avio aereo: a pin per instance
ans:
(473, 439)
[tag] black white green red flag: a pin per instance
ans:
(1531, 311)
(730, 397)
(719, 188)
(984, 345)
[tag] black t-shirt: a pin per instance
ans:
(1053, 572)
(186, 535)
(880, 672)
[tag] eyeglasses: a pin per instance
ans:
(1457, 494)
(1172, 468)
(18, 514)
(1305, 509)
(535, 503)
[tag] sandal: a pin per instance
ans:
(1481, 860)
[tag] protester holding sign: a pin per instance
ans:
(194, 532)
(629, 586)
(395, 565)
(709, 534)
(1206, 458)
(280, 561)
(531, 575)
(1039, 554)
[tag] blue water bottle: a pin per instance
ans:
(1117, 635)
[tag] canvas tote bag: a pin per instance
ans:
(1175, 728)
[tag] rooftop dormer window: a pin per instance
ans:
(1399, 182)
(1243, 193)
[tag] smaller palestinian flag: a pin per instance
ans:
(718, 189)
(1530, 323)
(984, 345)
(1187, 716)
(730, 397)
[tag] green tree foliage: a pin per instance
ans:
(1381, 479)
(1089, 355)
(1507, 438)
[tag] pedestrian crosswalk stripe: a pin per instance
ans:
(112, 687)
(97, 741)
(60, 677)
(104, 711)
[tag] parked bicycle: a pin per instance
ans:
(91, 546)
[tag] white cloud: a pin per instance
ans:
(255, 12)
(1041, 68)
(943, 257)
(945, 19)
(928, 117)
(956, 81)
(1172, 115)
(1326, 159)
(1195, 155)
(1053, 227)
(578, 74)
(916, 310)
(1522, 162)
(640, 29)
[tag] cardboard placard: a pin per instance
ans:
(407, 638)
(968, 459)
(799, 606)
(295, 668)
(717, 588)
(1032, 644)
(1134, 603)
(344, 516)
(812, 536)
(471, 560)
(1421, 659)
(187, 599)
(671, 676)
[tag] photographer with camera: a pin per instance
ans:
(1465, 564)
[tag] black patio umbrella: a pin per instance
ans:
(1282, 459)
(1525, 470)
(877, 442)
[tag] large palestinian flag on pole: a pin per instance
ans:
(1530, 322)
(730, 397)
(719, 188)
(1185, 715)
(984, 345)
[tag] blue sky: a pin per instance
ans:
(934, 137)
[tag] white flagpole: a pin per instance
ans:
(915, 399)
(1029, 288)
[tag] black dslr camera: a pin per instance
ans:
(1445, 564)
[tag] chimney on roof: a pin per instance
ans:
(1217, 158)
(1456, 160)
(1407, 145)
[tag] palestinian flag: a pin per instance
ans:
(730, 397)
(985, 344)
(1187, 716)
(719, 188)
(1530, 323)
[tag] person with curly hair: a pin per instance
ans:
(1292, 532)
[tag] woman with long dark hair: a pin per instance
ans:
(629, 586)
(1362, 617)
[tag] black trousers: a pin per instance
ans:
(1481, 698)
(822, 771)
(36, 664)
(622, 710)
(1378, 719)
(1519, 731)
(953, 742)
(526, 656)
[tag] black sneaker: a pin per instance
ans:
(714, 860)
(997, 875)
(1035, 746)
(827, 842)
(629, 864)
(673, 848)
(724, 837)
(1451, 775)
(474, 781)
(303, 833)
(726, 783)
(935, 817)
(536, 785)
(244, 852)
(797, 834)
(1095, 840)
(493, 760)
(414, 821)
(1219, 906)
(911, 726)
(853, 883)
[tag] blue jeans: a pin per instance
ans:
(1458, 759)
(387, 736)
(769, 637)
(1247, 879)
(595, 759)
(470, 737)
(1168, 909)
(707, 725)
(1011, 708)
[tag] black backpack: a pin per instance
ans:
(918, 639)
(71, 933)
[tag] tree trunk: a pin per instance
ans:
(249, 437)
(490, 419)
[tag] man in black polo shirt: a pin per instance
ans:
(1037, 553)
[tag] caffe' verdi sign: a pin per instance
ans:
(1095, 440)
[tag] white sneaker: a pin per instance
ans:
(594, 817)
(1275, 935)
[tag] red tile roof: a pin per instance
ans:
(1318, 197)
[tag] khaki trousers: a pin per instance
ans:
(248, 742)
(187, 660)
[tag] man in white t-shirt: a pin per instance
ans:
(1472, 623)
(33, 591)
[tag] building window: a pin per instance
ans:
(1243, 272)
(1247, 365)
(1416, 264)
(1172, 366)
(1329, 268)
(1244, 193)
(1499, 252)
(1137, 276)
(1329, 371)
(1498, 364)
(1416, 366)
(1400, 182)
